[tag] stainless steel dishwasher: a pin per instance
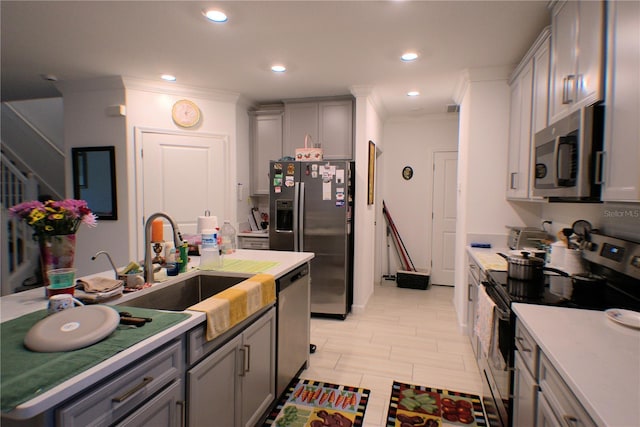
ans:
(294, 317)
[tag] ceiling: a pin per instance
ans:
(328, 47)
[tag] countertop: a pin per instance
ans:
(16, 305)
(488, 258)
(598, 358)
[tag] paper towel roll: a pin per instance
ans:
(573, 262)
(207, 223)
(558, 250)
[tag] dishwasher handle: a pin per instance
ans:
(292, 277)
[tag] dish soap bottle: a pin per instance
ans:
(227, 238)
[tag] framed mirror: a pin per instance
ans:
(94, 179)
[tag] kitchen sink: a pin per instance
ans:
(182, 295)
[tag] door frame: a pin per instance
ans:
(138, 206)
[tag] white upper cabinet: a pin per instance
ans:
(541, 61)
(577, 56)
(520, 133)
(527, 115)
(328, 122)
(622, 104)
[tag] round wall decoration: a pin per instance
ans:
(185, 113)
(407, 173)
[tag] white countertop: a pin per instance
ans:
(16, 305)
(598, 358)
(488, 258)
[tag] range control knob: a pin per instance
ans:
(635, 261)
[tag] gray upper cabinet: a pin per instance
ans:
(266, 145)
(577, 56)
(328, 122)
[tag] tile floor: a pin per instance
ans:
(404, 335)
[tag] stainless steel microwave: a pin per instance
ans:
(568, 157)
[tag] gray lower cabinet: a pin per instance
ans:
(525, 395)
(525, 386)
(472, 304)
(164, 410)
(142, 392)
(235, 384)
(540, 396)
(561, 400)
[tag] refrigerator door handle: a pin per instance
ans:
(300, 212)
(296, 215)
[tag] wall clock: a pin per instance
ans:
(185, 113)
(407, 172)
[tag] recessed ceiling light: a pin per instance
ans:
(409, 56)
(413, 93)
(216, 16)
(168, 77)
(278, 68)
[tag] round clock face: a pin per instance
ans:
(407, 172)
(185, 113)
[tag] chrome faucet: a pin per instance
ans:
(115, 270)
(177, 241)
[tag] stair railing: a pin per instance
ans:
(19, 253)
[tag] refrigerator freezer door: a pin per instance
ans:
(283, 206)
(325, 233)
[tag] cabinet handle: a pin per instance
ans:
(128, 394)
(183, 412)
(244, 354)
(570, 420)
(599, 167)
(567, 89)
(513, 185)
(248, 347)
(469, 293)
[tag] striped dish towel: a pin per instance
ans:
(231, 306)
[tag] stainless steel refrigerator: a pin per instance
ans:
(311, 210)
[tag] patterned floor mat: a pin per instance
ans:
(309, 403)
(421, 406)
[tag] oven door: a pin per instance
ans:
(497, 365)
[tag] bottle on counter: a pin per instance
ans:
(227, 238)
(210, 258)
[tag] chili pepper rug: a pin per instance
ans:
(308, 403)
(420, 406)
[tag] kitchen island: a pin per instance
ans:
(43, 406)
(596, 358)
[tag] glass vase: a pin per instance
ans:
(56, 252)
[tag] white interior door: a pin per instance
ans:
(445, 171)
(183, 176)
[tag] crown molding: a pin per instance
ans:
(134, 83)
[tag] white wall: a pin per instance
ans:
(148, 106)
(87, 124)
(368, 128)
(412, 141)
(47, 115)
(483, 97)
